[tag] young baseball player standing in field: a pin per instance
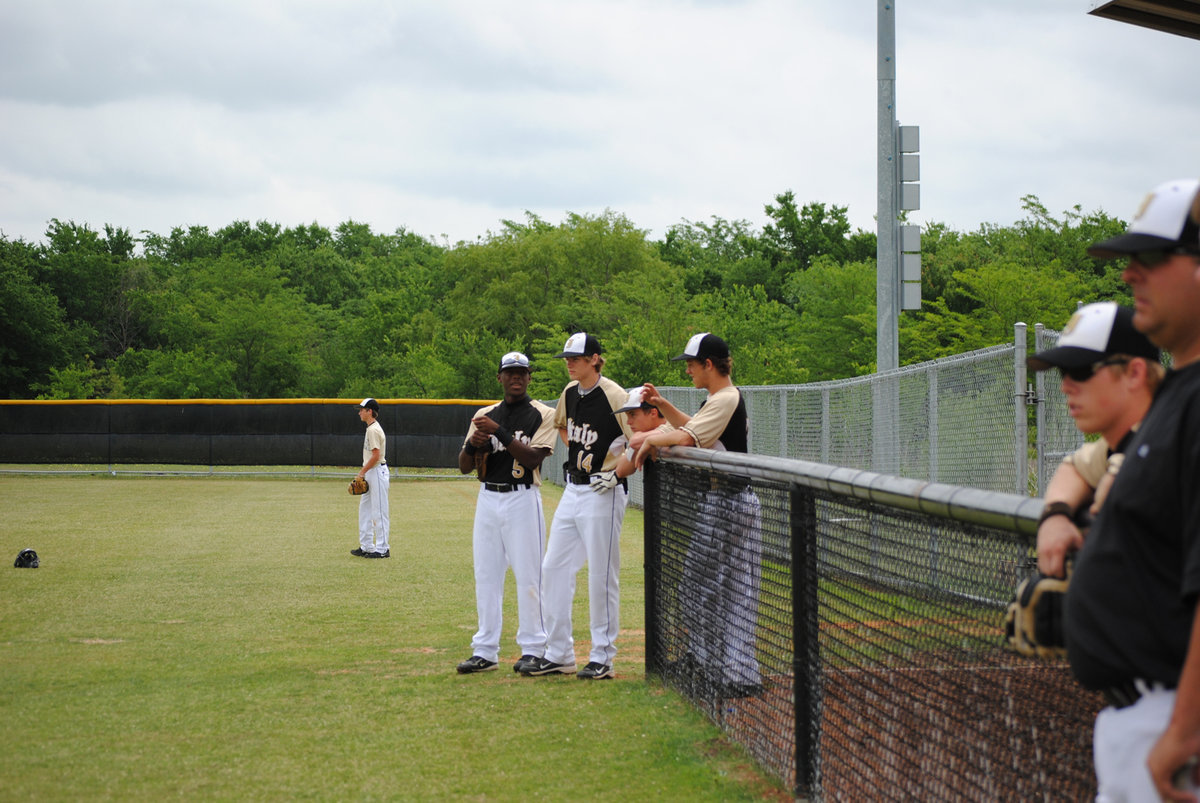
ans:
(506, 444)
(1131, 621)
(373, 524)
(724, 566)
(1109, 374)
(587, 524)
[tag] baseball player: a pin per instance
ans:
(373, 523)
(724, 566)
(643, 417)
(506, 444)
(1110, 371)
(587, 524)
(1131, 620)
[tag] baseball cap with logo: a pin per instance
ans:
(1095, 332)
(514, 359)
(1169, 218)
(704, 346)
(634, 402)
(581, 344)
(370, 404)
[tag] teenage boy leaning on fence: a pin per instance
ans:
(1130, 622)
(1109, 372)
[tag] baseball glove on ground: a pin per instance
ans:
(1034, 622)
(359, 486)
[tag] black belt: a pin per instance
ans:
(579, 478)
(505, 487)
(1126, 694)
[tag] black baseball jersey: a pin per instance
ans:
(530, 422)
(591, 426)
(1136, 581)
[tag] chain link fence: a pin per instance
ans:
(847, 629)
(963, 420)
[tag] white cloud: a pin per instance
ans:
(446, 117)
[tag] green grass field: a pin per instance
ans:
(212, 638)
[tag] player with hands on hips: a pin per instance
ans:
(587, 523)
(373, 518)
(506, 444)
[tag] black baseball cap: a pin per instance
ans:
(1094, 332)
(370, 404)
(704, 346)
(581, 344)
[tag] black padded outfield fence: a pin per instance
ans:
(846, 628)
(218, 432)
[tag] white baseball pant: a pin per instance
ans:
(586, 529)
(721, 586)
(1121, 743)
(510, 530)
(373, 519)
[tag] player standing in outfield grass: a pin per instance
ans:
(1110, 371)
(506, 443)
(724, 565)
(587, 523)
(1131, 620)
(373, 523)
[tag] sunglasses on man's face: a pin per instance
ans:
(1082, 373)
(1155, 257)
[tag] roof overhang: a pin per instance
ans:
(1180, 17)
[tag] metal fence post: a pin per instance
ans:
(651, 539)
(1021, 420)
(1039, 331)
(933, 423)
(826, 435)
(806, 675)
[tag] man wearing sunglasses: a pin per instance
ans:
(1109, 374)
(1130, 616)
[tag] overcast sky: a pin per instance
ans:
(446, 117)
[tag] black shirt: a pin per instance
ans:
(522, 419)
(1133, 595)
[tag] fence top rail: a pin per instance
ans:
(970, 505)
(348, 402)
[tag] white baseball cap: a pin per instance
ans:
(1094, 332)
(1169, 217)
(514, 359)
(634, 402)
(580, 344)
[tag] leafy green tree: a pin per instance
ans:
(837, 326)
(799, 235)
(157, 374)
(34, 336)
(89, 275)
(79, 380)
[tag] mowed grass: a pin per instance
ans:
(213, 639)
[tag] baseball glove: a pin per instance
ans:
(481, 464)
(359, 486)
(1033, 624)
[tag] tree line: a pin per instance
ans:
(263, 311)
